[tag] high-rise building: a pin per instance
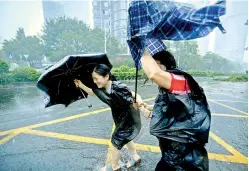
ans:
(52, 9)
(72, 9)
(101, 14)
(119, 17)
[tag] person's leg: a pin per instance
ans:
(115, 156)
(132, 150)
(146, 81)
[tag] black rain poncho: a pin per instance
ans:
(182, 124)
(126, 118)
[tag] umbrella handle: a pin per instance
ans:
(136, 84)
(89, 105)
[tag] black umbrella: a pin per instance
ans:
(58, 81)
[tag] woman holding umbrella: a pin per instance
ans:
(180, 116)
(125, 113)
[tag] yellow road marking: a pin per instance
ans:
(56, 121)
(108, 155)
(82, 115)
(68, 137)
(10, 136)
(228, 95)
(227, 106)
(149, 99)
(237, 157)
(60, 120)
(7, 138)
(229, 115)
(230, 101)
(240, 158)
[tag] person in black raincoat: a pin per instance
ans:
(125, 113)
(180, 117)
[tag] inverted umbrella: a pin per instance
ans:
(159, 20)
(58, 81)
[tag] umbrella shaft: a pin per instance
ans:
(136, 84)
(89, 105)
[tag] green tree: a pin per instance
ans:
(22, 45)
(2, 54)
(186, 54)
(64, 36)
(4, 66)
(213, 61)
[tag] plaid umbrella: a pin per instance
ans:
(150, 22)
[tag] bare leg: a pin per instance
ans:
(115, 156)
(132, 149)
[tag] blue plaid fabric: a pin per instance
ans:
(150, 22)
(154, 45)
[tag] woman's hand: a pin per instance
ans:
(78, 83)
(146, 112)
(135, 105)
(139, 102)
(147, 106)
(138, 99)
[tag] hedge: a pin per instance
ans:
(21, 74)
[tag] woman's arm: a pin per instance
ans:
(155, 73)
(79, 84)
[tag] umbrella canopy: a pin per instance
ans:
(169, 20)
(58, 81)
(150, 22)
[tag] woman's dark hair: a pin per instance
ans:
(166, 58)
(104, 70)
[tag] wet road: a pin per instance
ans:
(77, 138)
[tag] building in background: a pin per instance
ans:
(119, 18)
(31, 15)
(101, 15)
(111, 16)
(52, 9)
(72, 9)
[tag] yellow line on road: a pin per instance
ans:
(229, 115)
(227, 106)
(56, 121)
(227, 158)
(60, 120)
(10, 136)
(236, 154)
(7, 138)
(236, 157)
(69, 137)
(233, 96)
(233, 101)
(212, 156)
